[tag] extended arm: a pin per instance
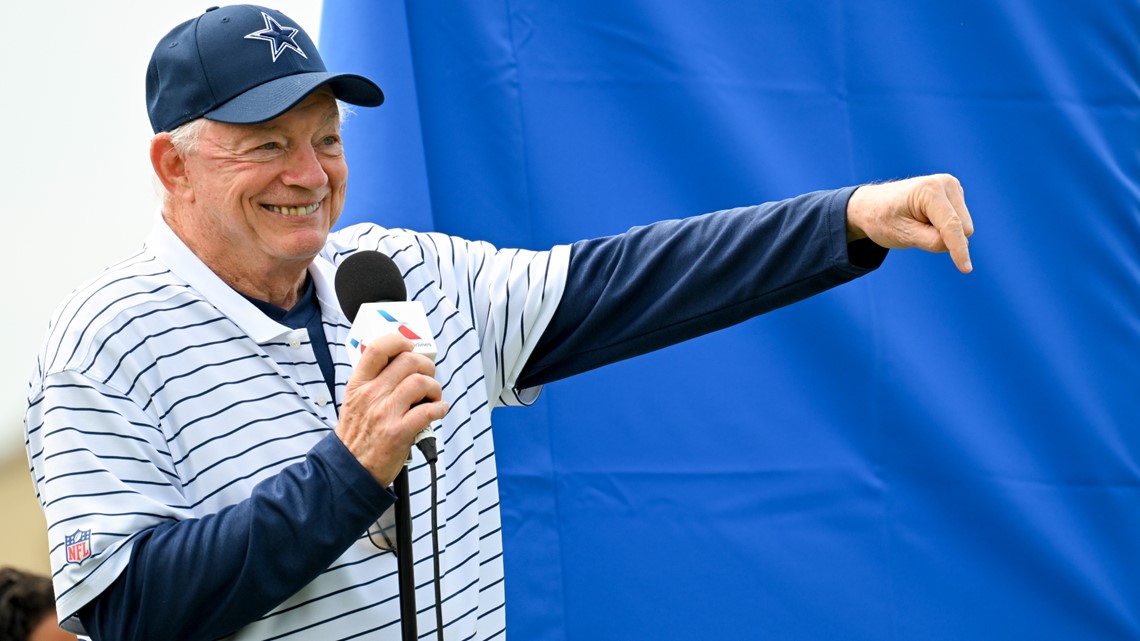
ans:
(664, 283)
(657, 285)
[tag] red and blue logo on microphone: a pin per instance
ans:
(403, 328)
(404, 317)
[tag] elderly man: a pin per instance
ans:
(210, 464)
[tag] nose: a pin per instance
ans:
(304, 169)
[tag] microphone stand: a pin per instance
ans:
(405, 558)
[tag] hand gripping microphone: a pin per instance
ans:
(374, 298)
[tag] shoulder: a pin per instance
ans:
(103, 304)
(416, 253)
(394, 242)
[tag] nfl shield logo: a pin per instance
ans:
(78, 546)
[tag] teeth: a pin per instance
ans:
(293, 211)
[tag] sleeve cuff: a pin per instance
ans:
(351, 475)
(863, 255)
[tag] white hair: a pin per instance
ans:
(345, 110)
(185, 137)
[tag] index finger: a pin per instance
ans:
(379, 352)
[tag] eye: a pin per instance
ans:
(330, 145)
(269, 146)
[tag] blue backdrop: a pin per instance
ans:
(916, 455)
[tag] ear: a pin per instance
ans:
(170, 166)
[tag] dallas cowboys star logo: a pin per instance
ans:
(278, 36)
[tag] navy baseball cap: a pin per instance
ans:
(240, 64)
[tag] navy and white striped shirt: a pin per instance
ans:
(162, 395)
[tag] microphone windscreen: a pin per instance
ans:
(368, 277)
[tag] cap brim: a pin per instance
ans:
(273, 98)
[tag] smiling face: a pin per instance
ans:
(256, 202)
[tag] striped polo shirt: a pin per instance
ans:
(161, 394)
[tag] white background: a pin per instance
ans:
(77, 188)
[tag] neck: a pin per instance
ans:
(278, 284)
(282, 293)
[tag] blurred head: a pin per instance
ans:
(27, 608)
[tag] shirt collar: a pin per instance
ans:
(323, 274)
(169, 248)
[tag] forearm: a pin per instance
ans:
(205, 578)
(671, 281)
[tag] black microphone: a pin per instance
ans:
(368, 277)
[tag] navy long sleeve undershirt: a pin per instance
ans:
(650, 287)
(664, 283)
